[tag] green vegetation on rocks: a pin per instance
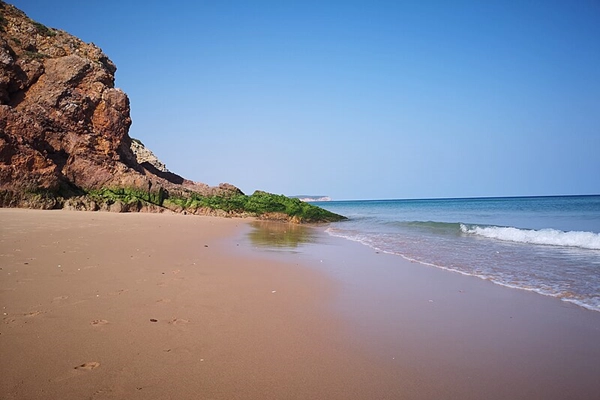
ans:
(259, 204)
(127, 195)
(43, 29)
(39, 199)
(35, 55)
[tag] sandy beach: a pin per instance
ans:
(156, 306)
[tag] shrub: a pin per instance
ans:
(43, 29)
(35, 55)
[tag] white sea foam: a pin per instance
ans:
(543, 288)
(551, 237)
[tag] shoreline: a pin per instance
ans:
(473, 275)
(155, 306)
(467, 337)
(547, 244)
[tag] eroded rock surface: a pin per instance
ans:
(64, 126)
(143, 154)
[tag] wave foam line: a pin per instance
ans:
(590, 304)
(550, 237)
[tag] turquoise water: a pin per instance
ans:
(550, 245)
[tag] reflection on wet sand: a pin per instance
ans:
(281, 235)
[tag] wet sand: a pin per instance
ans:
(146, 306)
(445, 335)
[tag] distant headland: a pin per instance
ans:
(309, 198)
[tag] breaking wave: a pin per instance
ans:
(549, 237)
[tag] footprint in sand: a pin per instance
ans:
(177, 321)
(163, 300)
(98, 322)
(59, 298)
(78, 370)
(88, 366)
(102, 392)
(33, 313)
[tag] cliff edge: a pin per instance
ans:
(64, 139)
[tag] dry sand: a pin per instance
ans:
(146, 306)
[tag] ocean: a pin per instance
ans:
(549, 245)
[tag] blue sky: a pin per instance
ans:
(358, 99)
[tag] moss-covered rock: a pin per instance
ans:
(259, 204)
(130, 199)
(129, 195)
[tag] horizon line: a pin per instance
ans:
(468, 197)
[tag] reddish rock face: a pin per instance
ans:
(63, 122)
(63, 125)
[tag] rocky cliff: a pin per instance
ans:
(63, 125)
(64, 138)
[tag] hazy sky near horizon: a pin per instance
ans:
(358, 99)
